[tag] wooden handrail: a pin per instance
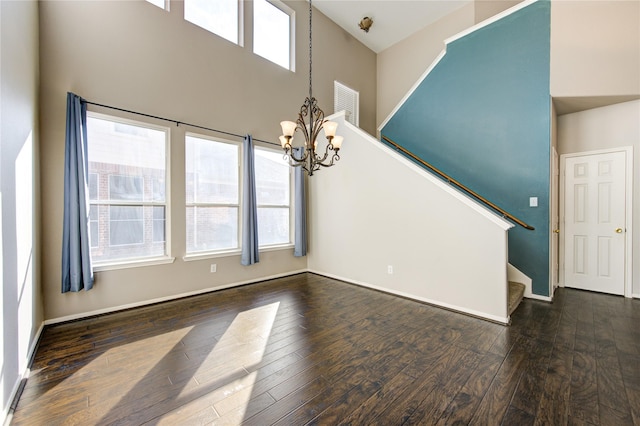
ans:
(459, 185)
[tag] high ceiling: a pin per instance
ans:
(393, 20)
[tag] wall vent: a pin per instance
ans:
(347, 99)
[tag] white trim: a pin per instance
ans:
(235, 252)
(34, 343)
(6, 414)
(467, 200)
(494, 318)
(168, 298)
(553, 154)
(538, 297)
(628, 151)
(444, 51)
(561, 196)
(514, 274)
(125, 264)
(636, 295)
(490, 20)
(210, 255)
(277, 247)
(411, 90)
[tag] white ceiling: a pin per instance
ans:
(393, 20)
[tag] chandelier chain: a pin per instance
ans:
(310, 51)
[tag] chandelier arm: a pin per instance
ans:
(334, 158)
(322, 160)
(318, 122)
(304, 111)
(290, 154)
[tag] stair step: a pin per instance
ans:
(516, 292)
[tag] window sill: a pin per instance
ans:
(210, 255)
(277, 247)
(213, 255)
(133, 263)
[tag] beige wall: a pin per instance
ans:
(595, 48)
(485, 9)
(401, 65)
(608, 127)
(136, 56)
(20, 295)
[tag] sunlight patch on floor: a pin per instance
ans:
(249, 330)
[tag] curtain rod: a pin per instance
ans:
(178, 123)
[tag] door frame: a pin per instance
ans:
(554, 222)
(628, 235)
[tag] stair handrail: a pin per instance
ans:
(466, 189)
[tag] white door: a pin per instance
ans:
(595, 222)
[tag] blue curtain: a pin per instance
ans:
(77, 273)
(300, 208)
(250, 253)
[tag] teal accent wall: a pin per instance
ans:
(483, 116)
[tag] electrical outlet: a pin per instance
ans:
(214, 267)
(389, 269)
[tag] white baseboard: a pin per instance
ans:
(494, 318)
(167, 298)
(34, 343)
(514, 274)
(6, 417)
(538, 297)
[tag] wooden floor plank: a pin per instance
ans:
(462, 407)
(496, 401)
(584, 387)
(554, 406)
(310, 349)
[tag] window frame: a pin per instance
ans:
(292, 33)
(165, 5)
(239, 24)
(224, 251)
(291, 206)
(136, 261)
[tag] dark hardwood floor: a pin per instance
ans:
(311, 350)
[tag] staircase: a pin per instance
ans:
(516, 293)
(438, 121)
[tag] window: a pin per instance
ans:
(212, 194)
(273, 195)
(127, 179)
(221, 17)
(272, 32)
(126, 225)
(162, 4)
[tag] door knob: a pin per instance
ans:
(618, 230)
(556, 231)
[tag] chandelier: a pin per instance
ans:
(311, 160)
